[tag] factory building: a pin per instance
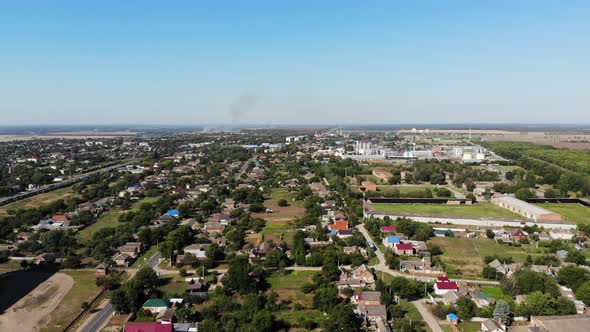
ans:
(525, 209)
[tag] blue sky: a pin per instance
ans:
(285, 62)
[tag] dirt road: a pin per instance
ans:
(32, 311)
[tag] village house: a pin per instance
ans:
(388, 229)
(122, 260)
(390, 241)
(133, 249)
(491, 325)
(197, 249)
(505, 269)
(359, 278)
(148, 327)
(561, 234)
(443, 285)
(404, 249)
(155, 306)
(422, 266)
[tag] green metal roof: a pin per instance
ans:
(155, 303)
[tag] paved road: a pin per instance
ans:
(97, 322)
(382, 266)
(244, 168)
(54, 186)
(428, 316)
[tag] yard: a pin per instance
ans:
(83, 290)
(463, 257)
(288, 287)
(496, 293)
(37, 200)
(478, 210)
(108, 219)
(463, 326)
(571, 212)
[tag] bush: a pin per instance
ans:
(282, 202)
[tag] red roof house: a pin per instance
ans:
(443, 285)
(388, 229)
(339, 225)
(404, 248)
(59, 217)
(148, 327)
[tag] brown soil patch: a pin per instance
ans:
(32, 311)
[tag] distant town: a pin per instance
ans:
(295, 229)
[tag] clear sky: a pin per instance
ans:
(294, 62)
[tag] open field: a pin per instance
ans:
(278, 193)
(83, 290)
(277, 231)
(37, 308)
(108, 219)
(571, 212)
(478, 210)
(38, 200)
(496, 293)
(463, 257)
(288, 287)
(173, 285)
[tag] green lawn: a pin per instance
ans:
(278, 232)
(478, 210)
(464, 257)
(108, 219)
(83, 290)
(571, 212)
(403, 189)
(290, 280)
(278, 193)
(173, 286)
(111, 219)
(496, 293)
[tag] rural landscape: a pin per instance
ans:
(293, 230)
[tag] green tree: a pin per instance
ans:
(342, 318)
(466, 308)
(238, 276)
(502, 312)
(583, 292)
(282, 202)
(325, 298)
(572, 276)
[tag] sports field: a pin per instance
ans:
(478, 210)
(570, 212)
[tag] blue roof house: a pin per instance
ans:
(173, 213)
(390, 241)
(453, 318)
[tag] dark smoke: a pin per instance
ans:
(242, 105)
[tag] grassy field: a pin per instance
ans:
(463, 257)
(496, 293)
(571, 212)
(288, 287)
(108, 219)
(403, 189)
(478, 210)
(84, 289)
(278, 193)
(40, 199)
(173, 286)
